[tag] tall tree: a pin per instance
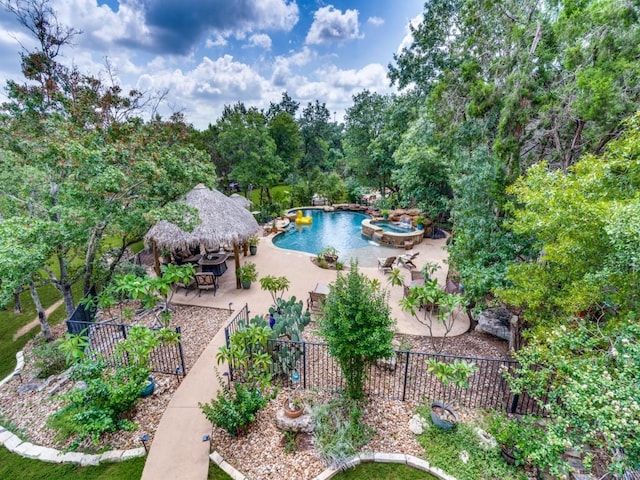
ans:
(316, 135)
(94, 167)
(246, 144)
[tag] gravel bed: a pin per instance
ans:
(25, 412)
(260, 454)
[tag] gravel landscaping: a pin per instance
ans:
(261, 453)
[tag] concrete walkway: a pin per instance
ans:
(178, 450)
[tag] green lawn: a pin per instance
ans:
(14, 466)
(255, 194)
(10, 323)
(383, 471)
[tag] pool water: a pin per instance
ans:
(341, 230)
(394, 227)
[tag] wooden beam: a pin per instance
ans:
(236, 257)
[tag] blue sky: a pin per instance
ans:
(207, 54)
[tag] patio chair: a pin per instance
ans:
(416, 275)
(314, 302)
(206, 281)
(407, 260)
(386, 264)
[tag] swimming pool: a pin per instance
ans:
(341, 230)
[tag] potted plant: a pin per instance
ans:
(247, 273)
(456, 373)
(330, 254)
(253, 244)
(385, 213)
(420, 221)
(293, 406)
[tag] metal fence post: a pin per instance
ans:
(184, 369)
(304, 364)
(406, 376)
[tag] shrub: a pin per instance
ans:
(235, 411)
(357, 325)
(339, 431)
(48, 358)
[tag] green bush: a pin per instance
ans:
(235, 411)
(48, 358)
(339, 431)
(100, 407)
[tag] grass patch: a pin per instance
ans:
(14, 466)
(10, 323)
(443, 448)
(216, 473)
(275, 191)
(383, 471)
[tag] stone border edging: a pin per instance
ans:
(16, 445)
(370, 457)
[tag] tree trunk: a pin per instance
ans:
(42, 315)
(67, 297)
(92, 247)
(17, 303)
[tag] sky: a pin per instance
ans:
(212, 53)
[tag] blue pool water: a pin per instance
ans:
(341, 230)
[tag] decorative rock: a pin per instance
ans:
(486, 439)
(12, 442)
(72, 457)
(495, 321)
(50, 455)
(417, 424)
(133, 453)
(89, 460)
(388, 363)
(464, 457)
(216, 458)
(111, 456)
(28, 450)
(5, 435)
(29, 387)
(418, 463)
(303, 423)
(391, 458)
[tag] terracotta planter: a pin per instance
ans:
(291, 413)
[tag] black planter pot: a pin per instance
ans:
(253, 249)
(439, 414)
(246, 285)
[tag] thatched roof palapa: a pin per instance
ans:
(223, 222)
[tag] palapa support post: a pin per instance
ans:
(236, 257)
(156, 260)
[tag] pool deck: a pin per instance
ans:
(179, 448)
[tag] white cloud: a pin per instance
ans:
(217, 41)
(375, 21)
(260, 40)
(282, 69)
(408, 38)
(331, 25)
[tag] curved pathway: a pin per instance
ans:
(179, 449)
(36, 321)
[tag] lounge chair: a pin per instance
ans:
(386, 264)
(407, 260)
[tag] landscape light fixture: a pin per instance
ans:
(144, 439)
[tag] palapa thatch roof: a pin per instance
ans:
(245, 202)
(223, 222)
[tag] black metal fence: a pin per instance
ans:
(403, 377)
(104, 337)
